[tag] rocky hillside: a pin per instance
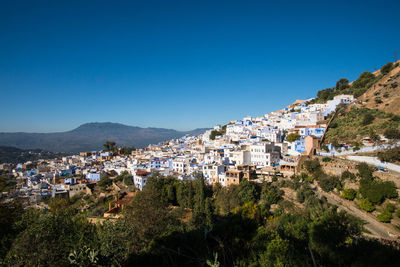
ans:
(375, 110)
(385, 93)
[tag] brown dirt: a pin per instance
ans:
(385, 86)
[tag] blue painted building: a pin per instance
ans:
(317, 132)
(300, 145)
(93, 176)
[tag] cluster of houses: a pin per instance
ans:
(251, 148)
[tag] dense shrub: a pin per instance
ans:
(349, 194)
(392, 133)
(312, 165)
(366, 205)
(365, 171)
(390, 207)
(398, 213)
(292, 137)
(104, 182)
(364, 80)
(385, 216)
(325, 147)
(387, 68)
(328, 183)
(348, 175)
(326, 159)
(367, 119)
(304, 193)
(377, 191)
(342, 84)
(390, 155)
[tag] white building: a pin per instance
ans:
(238, 157)
(140, 179)
(339, 99)
(264, 154)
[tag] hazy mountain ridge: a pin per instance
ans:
(16, 155)
(92, 136)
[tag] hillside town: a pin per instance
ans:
(253, 148)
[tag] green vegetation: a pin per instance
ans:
(187, 223)
(328, 183)
(110, 146)
(361, 122)
(358, 87)
(372, 189)
(7, 182)
(104, 182)
(366, 205)
(292, 137)
(385, 216)
(215, 133)
(387, 68)
(126, 150)
(125, 177)
(376, 191)
(348, 175)
(349, 194)
(392, 133)
(312, 165)
(390, 155)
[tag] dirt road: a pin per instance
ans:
(376, 228)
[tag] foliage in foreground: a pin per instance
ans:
(191, 224)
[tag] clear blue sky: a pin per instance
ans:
(180, 64)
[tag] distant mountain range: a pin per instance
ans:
(16, 155)
(92, 136)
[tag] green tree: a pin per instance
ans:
(368, 118)
(277, 253)
(366, 205)
(147, 218)
(270, 194)
(390, 207)
(312, 165)
(364, 80)
(342, 84)
(226, 199)
(392, 133)
(387, 68)
(247, 192)
(292, 137)
(390, 155)
(348, 175)
(385, 216)
(104, 182)
(49, 239)
(349, 194)
(126, 150)
(110, 146)
(365, 171)
(115, 239)
(328, 183)
(331, 232)
(10, 213)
